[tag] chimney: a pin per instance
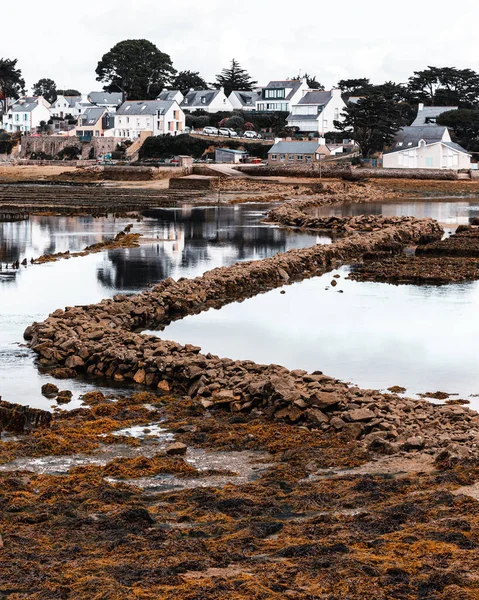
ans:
(420, 107)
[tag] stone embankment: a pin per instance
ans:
(102, 340)
(16, 418)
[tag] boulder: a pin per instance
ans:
(360, 414)
(414, 443)
(176, 449)
(74, 362)
(324, 400)
(49, 390)
(139, 376)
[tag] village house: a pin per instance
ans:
(95, 122)
(227, 155)
(168, 95)
(316, 112)
(244, 100)
(297, 153)
(156, 116)
(281, 95)
(427, 115)
(425, 147)
(26, 114)
(72, 106)
(109, 100)
(211, 101)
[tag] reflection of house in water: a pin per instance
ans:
(191, 240)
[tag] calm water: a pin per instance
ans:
(448, 212)
(182, 242)
(374, 335)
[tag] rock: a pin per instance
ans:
(285, 387)
(360, 414)
(223, 397)
(414, 443)
(49, 390)
(451, 455)
(316, 416)
(282, 273)
(163, 386)
(351, 431)
(334, 283)
(28, 333)
(293, 413)
(74, 362)
(63, 373)
(139, 376)
(176, 449)
(64, 397)
(337, 423)
(324, 400)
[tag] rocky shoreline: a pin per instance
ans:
(102, 341)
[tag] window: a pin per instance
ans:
(429, 162)
(276, 93)
(274, 157)
(299, 157)
(127, 119)
(282, 157)
(336, 114)
(325, 123)
(176, 114)
(290, 156)
(25, 117)
(128, 107)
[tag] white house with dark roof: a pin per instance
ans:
(316, 111)
(26, 114)
(69, 105)
(211, 101)
(159, 117)
(244, 100)
(425, 147)
(168, 95)
(281, 95)
(109, 100)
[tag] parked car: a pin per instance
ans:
(252, 135)
(210, 131)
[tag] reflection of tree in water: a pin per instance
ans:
(191, 238)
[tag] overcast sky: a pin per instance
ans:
(273, 40)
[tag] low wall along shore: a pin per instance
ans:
(102, 340)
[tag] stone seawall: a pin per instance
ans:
(102, 339)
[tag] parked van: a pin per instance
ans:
(210, 131)
(251, 134)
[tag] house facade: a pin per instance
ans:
(69, 105)
(296, 153)
(281, 95)
(168, 95)
(211, 101)
(227, 155)
(95, 122)
(244, 100)
(156, 116)
(316, 112)
(425, 147)
(26, 114)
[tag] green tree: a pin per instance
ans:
(12, 83)
(465, 126)
(354, 87)
(234, 78)
(187, 80)
(372, 122)
(136, 67)
(46, 88)
(68, 92)
(445, 86)
(311, 81)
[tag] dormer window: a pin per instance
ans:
(128, 107)
(203, 100)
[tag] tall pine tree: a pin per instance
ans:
(234, 78)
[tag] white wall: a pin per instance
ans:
(432, 156)
(325, 119)
(131, 126)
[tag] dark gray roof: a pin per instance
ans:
(455, 146)
(26, 104)
(430, 112)
(316, 97)
(294, 148)
(295, 84)
(105, 98)
(91, 116)
(409, 137)
(168, 94)
(247, 98)
(144, 107)
(195, 98)
(71, 100)
(231, 151)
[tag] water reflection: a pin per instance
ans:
(178, 243)
(374, 335)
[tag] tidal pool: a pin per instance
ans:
(373, 335)
(180, 242)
